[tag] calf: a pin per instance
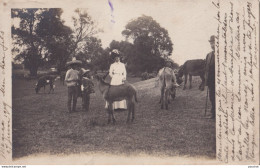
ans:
(45, 80)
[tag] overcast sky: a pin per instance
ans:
(189, 23)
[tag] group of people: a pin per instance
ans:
(79, 82)
(81, 79)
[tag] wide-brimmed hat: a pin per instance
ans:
(84, 71)
(114, 53)
(212, 38)
(74, 61)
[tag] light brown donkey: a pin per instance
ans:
(117, 93)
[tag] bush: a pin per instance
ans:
(147, 75)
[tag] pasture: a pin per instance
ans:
(42, 125)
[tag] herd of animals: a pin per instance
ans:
(128, 92)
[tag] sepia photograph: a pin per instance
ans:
(124, 82)
(114, 78)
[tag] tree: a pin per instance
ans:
(83, 31)
(125, 48)
(27, 44)
(41, 38)
(102, 61)
(151, 43)
(56, 37)
(91, 50)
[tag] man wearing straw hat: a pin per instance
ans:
(71, 79)
(210, 76)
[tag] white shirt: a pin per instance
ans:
(117, 72)
(71, 77)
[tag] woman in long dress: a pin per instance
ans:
(117, 72)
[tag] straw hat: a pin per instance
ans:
(84, 71)
(74, 61)
(114, 53)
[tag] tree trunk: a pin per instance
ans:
(33, 70)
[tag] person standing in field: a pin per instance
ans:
(71, 79)
(117, 72)
(210, 75)
(87, 87)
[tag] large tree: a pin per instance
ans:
(26, 41)
(150, 41)
(40, 38)
(56, 37)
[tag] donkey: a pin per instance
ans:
(193, 68)
(117, 93)
(167, 88)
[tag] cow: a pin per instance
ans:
(166, 77)
(45, 80)
(193, 68)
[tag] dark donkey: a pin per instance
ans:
(117, 93)
(45, 80)
(193, 68)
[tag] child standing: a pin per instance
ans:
(87, 87)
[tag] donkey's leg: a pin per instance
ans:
(129, 106)
(190, 79)
(202, 82)
(50, 89)
(133, 111)
(112, 114)
(166, 98)
(109, 113)
(170, 92)
(161, 95)
(185, 81)
(162, 99)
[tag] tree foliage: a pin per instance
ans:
(83, 31)
(27, 43)
(43, 39)
(56, 37)
(151, 44)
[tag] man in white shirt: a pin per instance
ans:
(71, 79)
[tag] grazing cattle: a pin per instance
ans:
(166, 77)
(192, 68)
(117, 93)
(45, 80)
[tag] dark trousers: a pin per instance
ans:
(85, 100)
(72, 95)
(212, 99)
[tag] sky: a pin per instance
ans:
(190, 23)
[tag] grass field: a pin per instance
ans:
(42, 125)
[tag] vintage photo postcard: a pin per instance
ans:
(140, 82)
